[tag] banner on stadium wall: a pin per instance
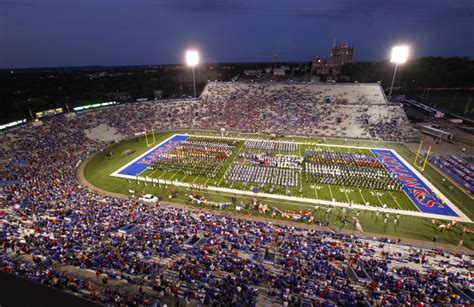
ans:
(49, 113)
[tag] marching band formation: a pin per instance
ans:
(202, 158)
(270, 145)
(207, 146)
(346, 158)
(206, 157)
(262, 175)
(348, 169)
(359, 177)
(281, 161)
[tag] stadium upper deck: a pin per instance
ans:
(353, 111)
(340, 93)
(332, 110)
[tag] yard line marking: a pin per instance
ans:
(347, 196)
(344, 188)
(395, 199)
(362, 195)
(164, 172)
(330, 191)
(149, 175)
(373, 191)
(230, 164)
(379, 199)
(195, 178)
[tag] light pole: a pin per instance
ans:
(192, 59)
(399, 56)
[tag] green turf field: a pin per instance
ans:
(98, 170)
(377, 198)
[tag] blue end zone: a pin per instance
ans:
(420, 194)
(152, 156)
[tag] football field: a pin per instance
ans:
(309, 172)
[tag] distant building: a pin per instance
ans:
(341, 54)
(279, 71)
(253, 72)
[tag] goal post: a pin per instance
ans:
(148, 142)
(418, 152)
(426, 158)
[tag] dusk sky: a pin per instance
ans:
(48, 33)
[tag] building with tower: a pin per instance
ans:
(341, 54)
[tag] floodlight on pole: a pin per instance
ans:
(399, 56)
(192, 59)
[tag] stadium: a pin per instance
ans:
(293, 193)
(234, 164)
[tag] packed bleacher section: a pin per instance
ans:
(460, 169)
(341, 93)
(48, 222)
(339, 110)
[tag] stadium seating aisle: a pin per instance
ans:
(48, 216)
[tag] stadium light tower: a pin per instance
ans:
(399, 56)
(192, 59)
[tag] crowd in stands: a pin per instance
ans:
(47, 218)
(342, 110)
(357, 111)
(460, 169)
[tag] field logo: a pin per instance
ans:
(154, 156)
(421, 195)
(149, 158)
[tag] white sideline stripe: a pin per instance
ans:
(461, 218)
(304, 200)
